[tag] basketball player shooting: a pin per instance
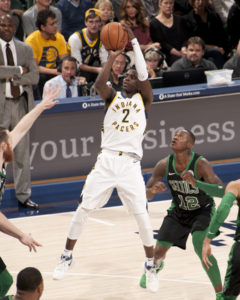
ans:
(118, 164)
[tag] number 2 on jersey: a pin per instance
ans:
(126, 112)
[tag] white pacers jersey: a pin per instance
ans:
(124, 124)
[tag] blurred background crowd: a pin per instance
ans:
(173, 35)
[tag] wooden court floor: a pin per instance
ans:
(108, 258)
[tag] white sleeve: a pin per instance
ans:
(140, 63)
(75, 44)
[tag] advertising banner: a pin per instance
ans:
(65, 144)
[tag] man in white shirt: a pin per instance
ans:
(67, 80)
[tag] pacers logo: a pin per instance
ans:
(49, 57)
(126, 120)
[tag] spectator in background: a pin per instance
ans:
(68, 81)
(233, 63)
(170, 30)
(21, 5)
(4, 10)
(73, 12)
(207, 24)
(155, 61)
(233, 23)
(194, 57)
(182, 7)
(116, 7)
(30, 16)
(106, 10)
(222, 7)
(151, 8)
(16, 100)
(119, 67)
(87, 47)
(132, 12)
(49, 47)
(29, 285)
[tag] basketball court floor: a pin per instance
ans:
(108, 257)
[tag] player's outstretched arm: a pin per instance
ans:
(10, 229)
(27, 121)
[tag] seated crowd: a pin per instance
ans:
(173, 35)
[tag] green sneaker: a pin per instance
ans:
(143, 278)
(219, 296)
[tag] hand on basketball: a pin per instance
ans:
(115, 53)
(158, 187)
(206, 252)
(129, 31)
(189, 177)
(27, 240)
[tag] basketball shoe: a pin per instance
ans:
(143, 278)
(62, 267)
(219, 296)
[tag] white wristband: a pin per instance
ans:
(134, 42)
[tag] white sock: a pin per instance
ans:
(67, 252)
(150, 261)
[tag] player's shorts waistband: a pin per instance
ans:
(121, 153)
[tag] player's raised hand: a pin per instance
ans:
(206, 252)
(128, 29)
(49, 96)
(115, 53)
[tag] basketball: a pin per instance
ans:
(113, 36)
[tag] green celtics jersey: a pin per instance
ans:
(186, 197)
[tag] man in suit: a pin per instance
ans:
(18, 72)
(71, 85)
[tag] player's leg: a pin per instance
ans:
(213, 272)
(232, 277)
(96, 192)
(131, 190)
(170, 233)
(6, 279)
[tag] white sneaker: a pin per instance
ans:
(152, 283)
(62, 267)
